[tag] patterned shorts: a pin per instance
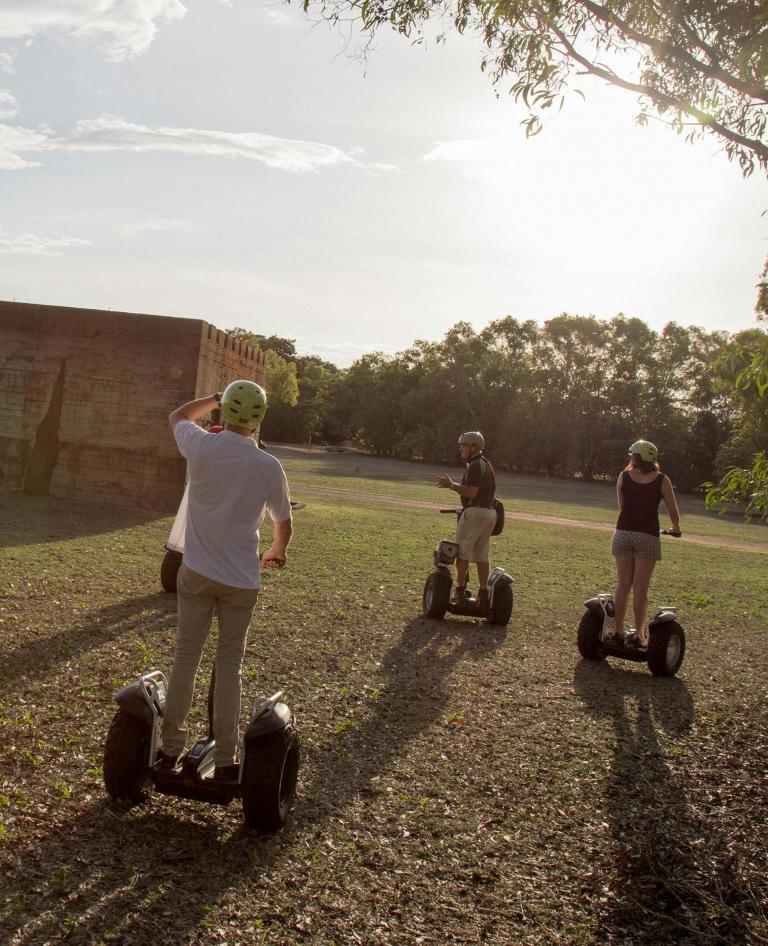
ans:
(636, 545)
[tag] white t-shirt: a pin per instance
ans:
(231, 483)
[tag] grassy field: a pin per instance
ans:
(594, 502)
(461, 783)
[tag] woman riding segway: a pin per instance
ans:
(636, 546)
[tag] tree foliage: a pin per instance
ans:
(697, 65)
(565, 398)
(745, 488)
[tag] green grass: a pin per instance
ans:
(460, 783)
(593, 502)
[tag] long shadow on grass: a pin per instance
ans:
(147, 878)
(36, 659)
(153, 877)
(660, 889)
(413, 697)
(29, 520)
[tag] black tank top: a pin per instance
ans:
(640, 511)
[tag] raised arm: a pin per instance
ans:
(194, 410)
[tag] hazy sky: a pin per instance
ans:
(232, 161)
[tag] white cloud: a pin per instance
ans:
(8, 61)
(33, 245)
(125, 28)
(108, 133)
(158, 225)
(385, 168)
(278, 17)
(15, 142)
(8, 104)
(464, 150)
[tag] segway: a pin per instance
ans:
(268, 770)
(436, 597)
(663, 652)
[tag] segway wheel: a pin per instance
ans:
(169, 570)
(126, 753)
(503, 601)
(436, 596)
(588, 637)
(666, 649)
(268, 784)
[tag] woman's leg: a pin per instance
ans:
(642, 580)
(625, 571)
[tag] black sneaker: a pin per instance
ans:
(483, 598)
(459, 594)
(226, 773)
(167, 763)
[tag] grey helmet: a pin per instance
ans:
(473, 438)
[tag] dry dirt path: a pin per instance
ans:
(525, 517)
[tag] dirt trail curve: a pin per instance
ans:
(526, 517)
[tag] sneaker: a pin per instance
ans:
(632, 638)
(167, 763)
(458, 594)
(226, 773)
(483, 599)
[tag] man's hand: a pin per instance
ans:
(275, 557)
(193, 410)
(444, 481)
(271, 559)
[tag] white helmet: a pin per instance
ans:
(474, 438)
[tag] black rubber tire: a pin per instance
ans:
(436, 596)
(503, 602)
(126, 756)
(666, 649)
(270, 773)
(169, 570)
(588, 637)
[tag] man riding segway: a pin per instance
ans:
(477, 490)
(231, 484)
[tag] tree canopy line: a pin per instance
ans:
(563, 398)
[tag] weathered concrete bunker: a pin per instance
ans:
(85, 395)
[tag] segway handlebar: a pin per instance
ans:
(676, 533)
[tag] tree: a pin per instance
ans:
(699, 66)
(284, 347)
(282, 386)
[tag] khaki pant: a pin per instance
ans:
(473, 533)
(199, 598)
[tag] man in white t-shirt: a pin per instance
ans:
(231, 485)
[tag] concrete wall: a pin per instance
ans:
(85, 395)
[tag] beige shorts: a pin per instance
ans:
(473, 533)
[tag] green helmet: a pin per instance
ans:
(244, 404)
(645, 450)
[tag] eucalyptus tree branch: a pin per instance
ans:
(664, 99)
(665, 47)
